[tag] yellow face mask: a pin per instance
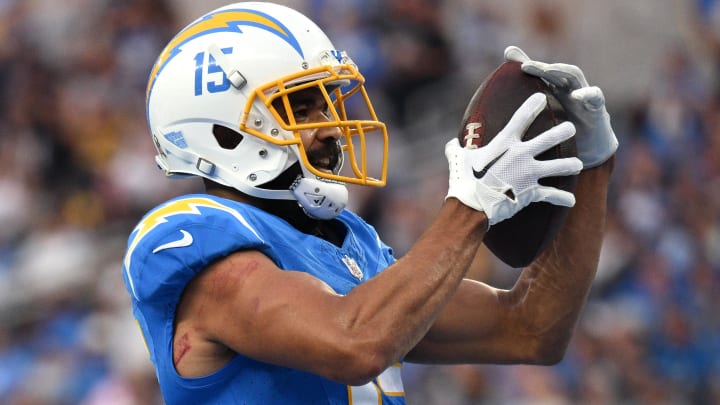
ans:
(342, 87)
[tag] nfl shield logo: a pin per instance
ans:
(352, 265)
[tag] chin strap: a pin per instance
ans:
(318, 198)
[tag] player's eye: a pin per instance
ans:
(301, 113)
(311, 111)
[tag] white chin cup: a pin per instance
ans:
(320, 199)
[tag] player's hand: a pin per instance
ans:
(596, 141)
(501, 177)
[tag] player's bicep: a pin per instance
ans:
(254, 308)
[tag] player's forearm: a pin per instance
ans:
(405, 299)
(551, 293)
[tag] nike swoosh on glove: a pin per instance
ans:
(501, 178)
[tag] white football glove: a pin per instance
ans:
(596, 141)
(501, 178)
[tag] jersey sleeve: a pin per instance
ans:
(173, 243)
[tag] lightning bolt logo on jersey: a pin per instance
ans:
(178, 239)
(190, 206)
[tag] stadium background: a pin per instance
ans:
(76, 172)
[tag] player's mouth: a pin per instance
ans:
(326, 158)
(325, 164)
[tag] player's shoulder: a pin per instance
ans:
(192, 209)
(182, 236)
(194, 205)
(201, 213)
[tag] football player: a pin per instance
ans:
(266, 289)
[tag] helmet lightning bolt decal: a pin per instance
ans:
(222, 21)
(186, 206)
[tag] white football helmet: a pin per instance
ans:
(226, 70)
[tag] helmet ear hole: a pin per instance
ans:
(226, 138)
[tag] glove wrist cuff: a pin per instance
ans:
(599, 154)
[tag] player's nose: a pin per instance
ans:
(327, 133)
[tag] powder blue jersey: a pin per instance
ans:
(178, 239)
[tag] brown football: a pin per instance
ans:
(519, 240)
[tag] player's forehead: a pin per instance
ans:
(305, 96)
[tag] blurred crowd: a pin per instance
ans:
(77, 172)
